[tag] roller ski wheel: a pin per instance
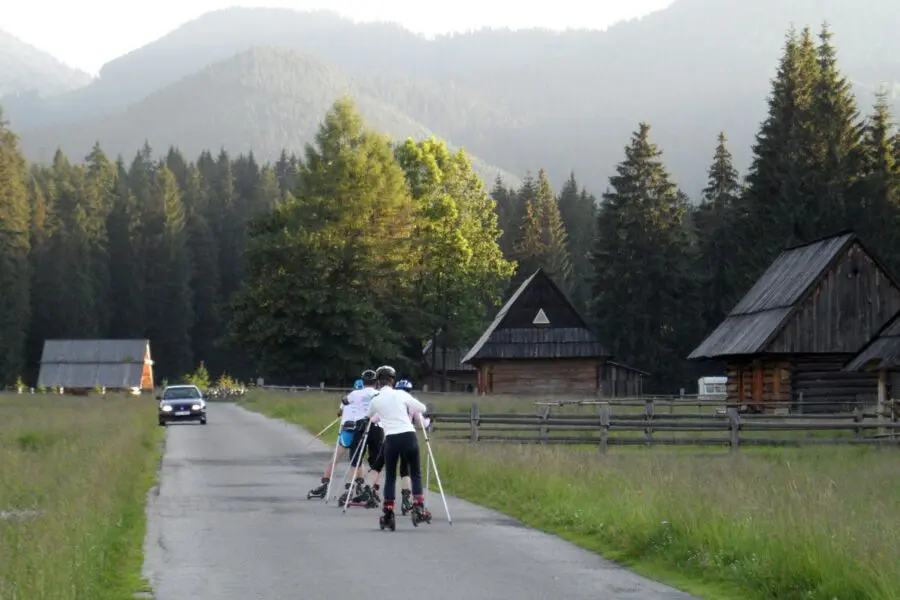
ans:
(387, 520)
(420, 515)
(406, 504)
(318, 492)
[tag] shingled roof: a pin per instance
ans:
(761, 314)
(882, 352)
(537, 322)
(115, 364)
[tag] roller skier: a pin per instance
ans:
(405, 483)
(372, 435)
(347, 413)
(392, 408)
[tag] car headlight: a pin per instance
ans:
(195, 407)
(167, 408)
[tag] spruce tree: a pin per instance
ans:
(579, 213)
(643, 286)
(15, 276)
(780, 189)
(715, 218)
(876, 214)
(839, 134)
(556, 261)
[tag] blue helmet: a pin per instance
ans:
(404, 384)
(358, 384)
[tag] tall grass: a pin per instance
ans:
(74, 477)
(808, 523)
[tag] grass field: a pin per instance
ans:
(74, 477)
(776, 524)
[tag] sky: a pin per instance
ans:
(88, 33)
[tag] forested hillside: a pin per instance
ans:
(26, 70)
(358, 250)
(280, 95)
(517, 100)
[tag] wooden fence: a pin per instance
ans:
(650, 422)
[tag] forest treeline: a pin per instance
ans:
(360, 250)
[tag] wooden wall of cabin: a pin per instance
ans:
(820, 379)
(618, 382)
(851, 303)
(760, 384)
(557, 376)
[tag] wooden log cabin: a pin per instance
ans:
(791, 335)
(881, 356)
(539, 344)
(442, 363)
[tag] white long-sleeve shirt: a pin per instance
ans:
(358, 404)
(393, 407)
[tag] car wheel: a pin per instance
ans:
(203, 421)
(162, 423)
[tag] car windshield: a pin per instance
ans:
(185, 393)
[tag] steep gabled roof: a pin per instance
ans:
(536, 336)
(882, 352)
(766, 308)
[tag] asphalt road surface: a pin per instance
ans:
(230, 520)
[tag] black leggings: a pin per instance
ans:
(404, 445)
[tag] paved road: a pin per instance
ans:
(230, 520)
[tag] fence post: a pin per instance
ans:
(858, 419)
(545, 414)
(734, 425)
(648, 417)
(429, 409)
(604, 426)
(473, 421)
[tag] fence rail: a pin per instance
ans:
(668, 423)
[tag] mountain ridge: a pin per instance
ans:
(527, 99)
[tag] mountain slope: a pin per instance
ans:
(24, 69)
(530, 99)
(263, 100)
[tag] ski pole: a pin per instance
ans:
(337, 445)
(327, 427)
(359, 452)
(437, 475)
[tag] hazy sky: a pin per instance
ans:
(88, 33)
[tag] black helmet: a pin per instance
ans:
(385, 373)
(368, 375)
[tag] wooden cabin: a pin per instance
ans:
(445, 370)
(83, 365)
(539, 344)
(881, 356)
(791, 335)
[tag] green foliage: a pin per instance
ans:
(200, 377)
(643, 284)
(15, 274)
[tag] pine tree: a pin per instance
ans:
(876, 214)
(15, 276)
(839, 134)
(715, 218)
(556, 261)
(780, 192)
(168, 270)
(579, 213)
(643, 287)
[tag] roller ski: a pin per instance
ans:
(320, 491)
(363, 499)
(420, 515)
(406, 503)
(387, 520)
